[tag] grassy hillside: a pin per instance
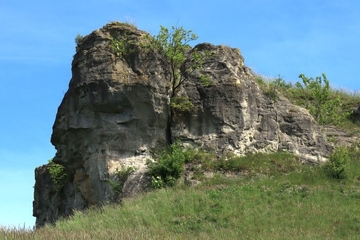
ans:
(259, 196)
(334, 106)
(281, 199)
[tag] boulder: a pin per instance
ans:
(116, 112)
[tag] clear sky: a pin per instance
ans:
(285, 37)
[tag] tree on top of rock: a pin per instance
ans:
(173, 47)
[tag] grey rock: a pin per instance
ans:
(235, 115)
(339, 137)
(116, 111)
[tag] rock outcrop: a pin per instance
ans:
(117, 109)
(235, 115)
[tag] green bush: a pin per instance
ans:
(273, 87)
(57, 174)
(123, 46)
(317, 99)
(120, 178)
(78, 39)
(338, 165)
(168, 167)
(280, 83)
(157, 182)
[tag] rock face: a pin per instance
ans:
(234, 115)
(117, 110)
(338, 137)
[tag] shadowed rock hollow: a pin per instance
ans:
(117, 110)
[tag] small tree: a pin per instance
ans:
(317, 98)
(173, 47)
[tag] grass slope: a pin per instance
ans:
(275, 201)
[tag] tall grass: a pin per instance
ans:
(282, 199)
(349, 100)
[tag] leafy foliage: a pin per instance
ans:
(205, 80)
(157, 182)
(317, 98)
(57, 174)
(78, 39)
(181, 104)
(274, 87)
(120, 178)
(168, 167)
(280, 83)
(338, 110)
(338, 165)
(122, 46)
(173, 46)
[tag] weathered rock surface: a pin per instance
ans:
(338, 137)
(235, 115)
(116, 111)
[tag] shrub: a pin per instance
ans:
(120, 178)
(338, 165)
(274, 86)
(317, 99)
(57, 174)
(78, 39)
(169, 166)
(123, 46)
(280, 83)
(157, 182)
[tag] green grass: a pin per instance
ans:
(348, 101)
(281, 199)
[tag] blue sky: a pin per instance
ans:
(37, 45)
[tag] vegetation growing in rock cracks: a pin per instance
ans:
(57, 174)
(120, 177)
(173, 47)
(123, 46)
(181, 104)
(78, 39)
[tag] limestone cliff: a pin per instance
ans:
(117, 109)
